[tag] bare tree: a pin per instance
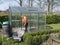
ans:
(50, 4)
(48, 9)
(31, 3)
(40, 3)
(21, 2)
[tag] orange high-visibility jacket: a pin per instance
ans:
(24, 20)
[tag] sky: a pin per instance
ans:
(4, 4)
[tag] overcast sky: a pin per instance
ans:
(4, 4)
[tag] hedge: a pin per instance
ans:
(41, 32)
(52, 19)
(3, 18)
(36, 38)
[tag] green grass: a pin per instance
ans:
(11, 41)
(3, 14)
(0, 38)
(55, 26)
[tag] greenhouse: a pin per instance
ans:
(36, 18)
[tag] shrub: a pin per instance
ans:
(35, 38)
(3, 18)
(45, 37)
(52, 19)
(28, 40)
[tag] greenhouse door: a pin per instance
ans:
(32, 21)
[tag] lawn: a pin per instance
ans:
(55, 26)
(0, 38)
(3, 14)
(11, 42)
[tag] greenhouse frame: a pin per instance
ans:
(36, 18)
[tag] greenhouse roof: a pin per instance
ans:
(26, 10)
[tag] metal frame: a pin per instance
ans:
(24, 10)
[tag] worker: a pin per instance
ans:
(25, 22)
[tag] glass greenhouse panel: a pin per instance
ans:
(36, 17)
